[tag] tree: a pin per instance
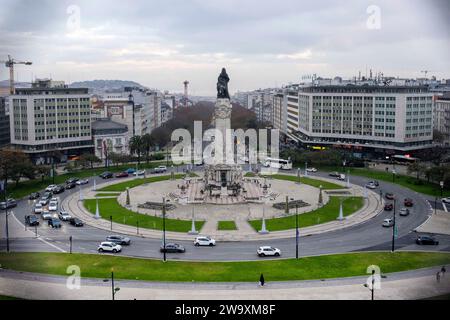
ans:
(147, 144)
(14, 165)
(89, 158)
(417, 168)
(136, 147)
(43, 171)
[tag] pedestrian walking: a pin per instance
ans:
(443, 270)
(438, 276)
(261, 280)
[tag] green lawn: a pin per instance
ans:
(420, 186)
(24, 188)
(309, 181)
(8, 298)
(318, 267)
(226, 225)
(329, 212)
(122, 186)
(110, 207)
(112, 194)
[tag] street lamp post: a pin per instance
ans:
(296, 231)
(70, 240)
(110, 220)
(131, 101)
(113, 288)
(393, 230)
(372, 289)
(164, 229)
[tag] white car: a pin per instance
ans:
(268, 251)
(53, 206)
(82, 181)
(50, 188)
(64, 216)
(46, 215)
(404, 212)
(311, 169)
(341, 177)
(204, 241)
(388, 223)
(371, 186)
(109, 247)
(139, 173)
(38, 208)
(446, 200)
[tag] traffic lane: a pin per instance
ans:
(408, 242)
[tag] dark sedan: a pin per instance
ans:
(408, 202)
(106, 175)
(426, 240)
(54, 223)
(389, 207)
(70, 185)
(72, 180)
(32, 220)
(76, 222)
(34, 196)
(173, 248)
(122, 174)
(58, 189)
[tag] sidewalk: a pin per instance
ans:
(437, 223)
(372, 207)
(416, 284)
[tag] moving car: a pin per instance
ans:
(109, 247)
(82, 181)
(408, 202)
(371, 185)
(72, 180)
(38, 208)
(388, 223)
(268, 251)
(54, 223)
(334, 174)
(64, 215)
(173, 247)
(50, 188)
(71, 185)
(426, 240)
(341, 177)
(9, 203)
(106, 175)
(139, 173)
(122, 174)
(119, 240)
(46, 215)
(389, 196)
(45, 198)
(159, 169)
(404, 212)
(374, 182)
(58, 189)
(446, 200)
(53, 206)
(204, 241)
(34, 196)
(76, 222)
(311, 169)
(388, 207)
(32, 220)
(130, 170)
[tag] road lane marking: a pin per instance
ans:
(52, 245)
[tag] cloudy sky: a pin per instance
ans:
(261, 43)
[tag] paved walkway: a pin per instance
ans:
(373, 206)
(417, 284)
(437, 223)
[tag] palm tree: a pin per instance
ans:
(136, 147)
(147, 143)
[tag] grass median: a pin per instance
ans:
(307, 268)
(226, 225)
(122, 186)
(306, 180)
(109, 207)
(329, 212)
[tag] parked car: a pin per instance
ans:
(388, 223)
(119, 240)
(408, 202)
(76, 222)
(388, 207)
(159, 169)
(109, 247)
(446, 200)
(50, 188)
(122, 174)
(139, 173)
(34, 196)
(268, 251)
(72, 180)
(32, 220)
(311, 169)
(334, 174)
(82, 181)
(106, 175)
(173, 248)
(9, 203)
(404, 212)
(389, 196)
(46, 215)
(64, 215)
(71, 185)
(58, 189)
(130, 170)
(54, 223)
(204, 241)
(426, 240)
(38, 208)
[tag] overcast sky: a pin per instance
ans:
(261, 43)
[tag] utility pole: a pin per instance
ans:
(296, 231)
(164, 229)
(393, 231)
(4, 187)
(131, 102)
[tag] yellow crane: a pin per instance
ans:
(10, 64)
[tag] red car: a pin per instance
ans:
(408, 202)
(389, 207)
(122, 174)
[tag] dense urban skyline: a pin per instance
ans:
(162, 44)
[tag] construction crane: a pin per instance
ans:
(10, 64)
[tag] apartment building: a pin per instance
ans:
(4, 124)
(442, 114)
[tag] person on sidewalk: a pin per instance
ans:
(443, 270)
(261, 280)
(438, 276)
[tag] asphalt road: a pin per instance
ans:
(369, 235)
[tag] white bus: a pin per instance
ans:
(278, 163)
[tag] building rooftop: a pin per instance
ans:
(108, 124)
